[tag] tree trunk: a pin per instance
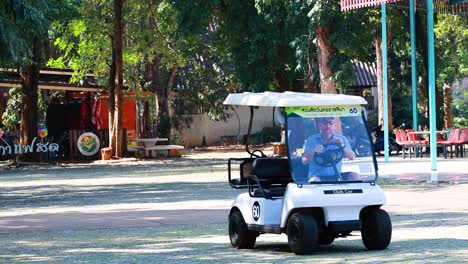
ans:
(117, 136)
(280, 81)
(146, 120)
(170, 97)
(447, 106)
(29, 105)
(112, 96)
(380, 95)
(325, 51)
(155, 83)
(421, 40)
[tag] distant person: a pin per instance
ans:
(315, 144)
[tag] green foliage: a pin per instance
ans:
(11, 118)
(400, 111)
(23, 23)
(207, 80)
(452, 48)
(460, 111)
(255, 34)
(267, 135)
(84, 40)
(164, 125)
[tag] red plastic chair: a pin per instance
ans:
(402, 140)
(415, 142)
(413, 138)
(399, 138)
(460, 142)
(451, 141)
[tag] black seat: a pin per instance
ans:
(271, 176)
(245, 169)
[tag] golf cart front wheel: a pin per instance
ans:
(376, 230)
(302, 233)
(239, 234)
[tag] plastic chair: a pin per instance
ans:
(451, 141)
(460, 142)
(416, 142)
(413, 138)
(402, 140)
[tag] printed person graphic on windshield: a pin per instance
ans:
(329, 148)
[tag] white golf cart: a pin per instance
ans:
(312, 198)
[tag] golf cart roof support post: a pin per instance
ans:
(374, 159)
(247, 138)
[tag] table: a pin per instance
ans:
(149, 142)
(427, 132)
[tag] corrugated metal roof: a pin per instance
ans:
(366, 74)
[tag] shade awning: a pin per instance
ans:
(366, 74)
(440, 6)
(355, 4)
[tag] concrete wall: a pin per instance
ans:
(202, 126)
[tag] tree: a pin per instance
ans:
(93, 41)
(151, 50)
(451, 33)
(255, 34)
(24, 25)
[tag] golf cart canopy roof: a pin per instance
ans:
(286, 99)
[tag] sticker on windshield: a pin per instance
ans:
(325, 111)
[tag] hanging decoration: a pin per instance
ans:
(42, 131)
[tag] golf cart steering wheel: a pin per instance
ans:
(332, 154)
(253, 155)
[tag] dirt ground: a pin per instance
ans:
(185, 201)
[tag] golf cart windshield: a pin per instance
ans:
(329, 144)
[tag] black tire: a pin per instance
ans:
(239, 234)
(325, 238)
(376, 230)
(302, 233)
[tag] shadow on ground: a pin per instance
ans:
(209, 244)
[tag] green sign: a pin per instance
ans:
(325, 111)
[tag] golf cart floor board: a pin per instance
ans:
(274, 229)
(340, 226)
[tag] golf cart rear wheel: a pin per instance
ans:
(376, 230)
(302, 233)
(239, 234)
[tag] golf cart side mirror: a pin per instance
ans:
(245, 167)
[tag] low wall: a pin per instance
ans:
(202, 126)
